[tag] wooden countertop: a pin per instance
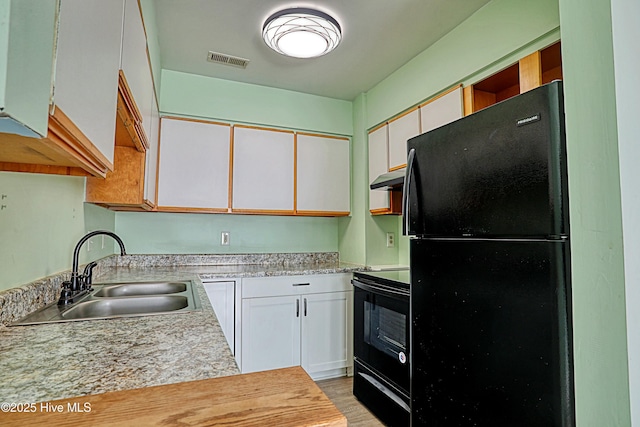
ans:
(282, 397)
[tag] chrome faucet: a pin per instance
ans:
(80, 284)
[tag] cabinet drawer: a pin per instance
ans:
(253, 287)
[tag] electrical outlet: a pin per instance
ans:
(391, 240)
(225, 237)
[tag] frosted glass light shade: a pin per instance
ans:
(301, 32)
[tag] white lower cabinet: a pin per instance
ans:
(297, 320)
(325, 341)
(222, 296)
(270, 333)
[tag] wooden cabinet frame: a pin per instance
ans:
(536, 69)
(64, 151)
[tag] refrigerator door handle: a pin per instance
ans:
(406, 215)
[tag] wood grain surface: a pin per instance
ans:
(282, 397)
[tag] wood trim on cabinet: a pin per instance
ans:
(530, 69)
(404, 113)
(342, 138)
(322, 213)
(380, 211)
(127, 96)
(145, 206)
(295, 173)
(66, 137)
(47, 169)
(65, 150)
(181, 209)
(263, 212)
(189, 119)
(467, 96)
(380, 126)
(395, 205)
(264, 128)
(395, 168)
(441, 94)
(230, 189)
(158, 157)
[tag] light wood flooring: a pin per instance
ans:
(339, 390)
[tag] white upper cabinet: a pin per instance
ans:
(135, 64)
(378, 164)
(442, 110)
(323, 174)
(194, 164)
(87, 63)
(263, 178)
(401, 129)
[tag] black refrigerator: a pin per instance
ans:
(486, 206)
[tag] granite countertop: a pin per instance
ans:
(61, 360)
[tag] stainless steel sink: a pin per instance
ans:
(110, 307)
(147, 288)
(125, 299)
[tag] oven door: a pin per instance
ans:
(381, 331)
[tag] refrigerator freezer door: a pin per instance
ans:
(498, 172)
(490, 335)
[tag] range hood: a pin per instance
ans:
(389, 181)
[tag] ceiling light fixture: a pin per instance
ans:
(301, 32)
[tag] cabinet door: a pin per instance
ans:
(151, 169)
(323, 176)
(378, 164)
(326, 339)
(87, 63)
(262, 170)
(442, 110)
(222, 298)
(400, 130)
(270, 333)
(194, 164)
(135, 63)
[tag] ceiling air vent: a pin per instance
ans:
(223, 58)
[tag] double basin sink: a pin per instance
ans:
(129, 299)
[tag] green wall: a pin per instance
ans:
(42, 217)
(626, 33)
(198, 96)
(601, 374)
(169, 233)
(5, 11)
(352, 243)
(153, 45)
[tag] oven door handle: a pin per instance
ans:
(379, 289)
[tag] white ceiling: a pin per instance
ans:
(379, 36)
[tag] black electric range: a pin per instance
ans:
(381, 344)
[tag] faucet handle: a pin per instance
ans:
(66, 294)
(87, 275)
